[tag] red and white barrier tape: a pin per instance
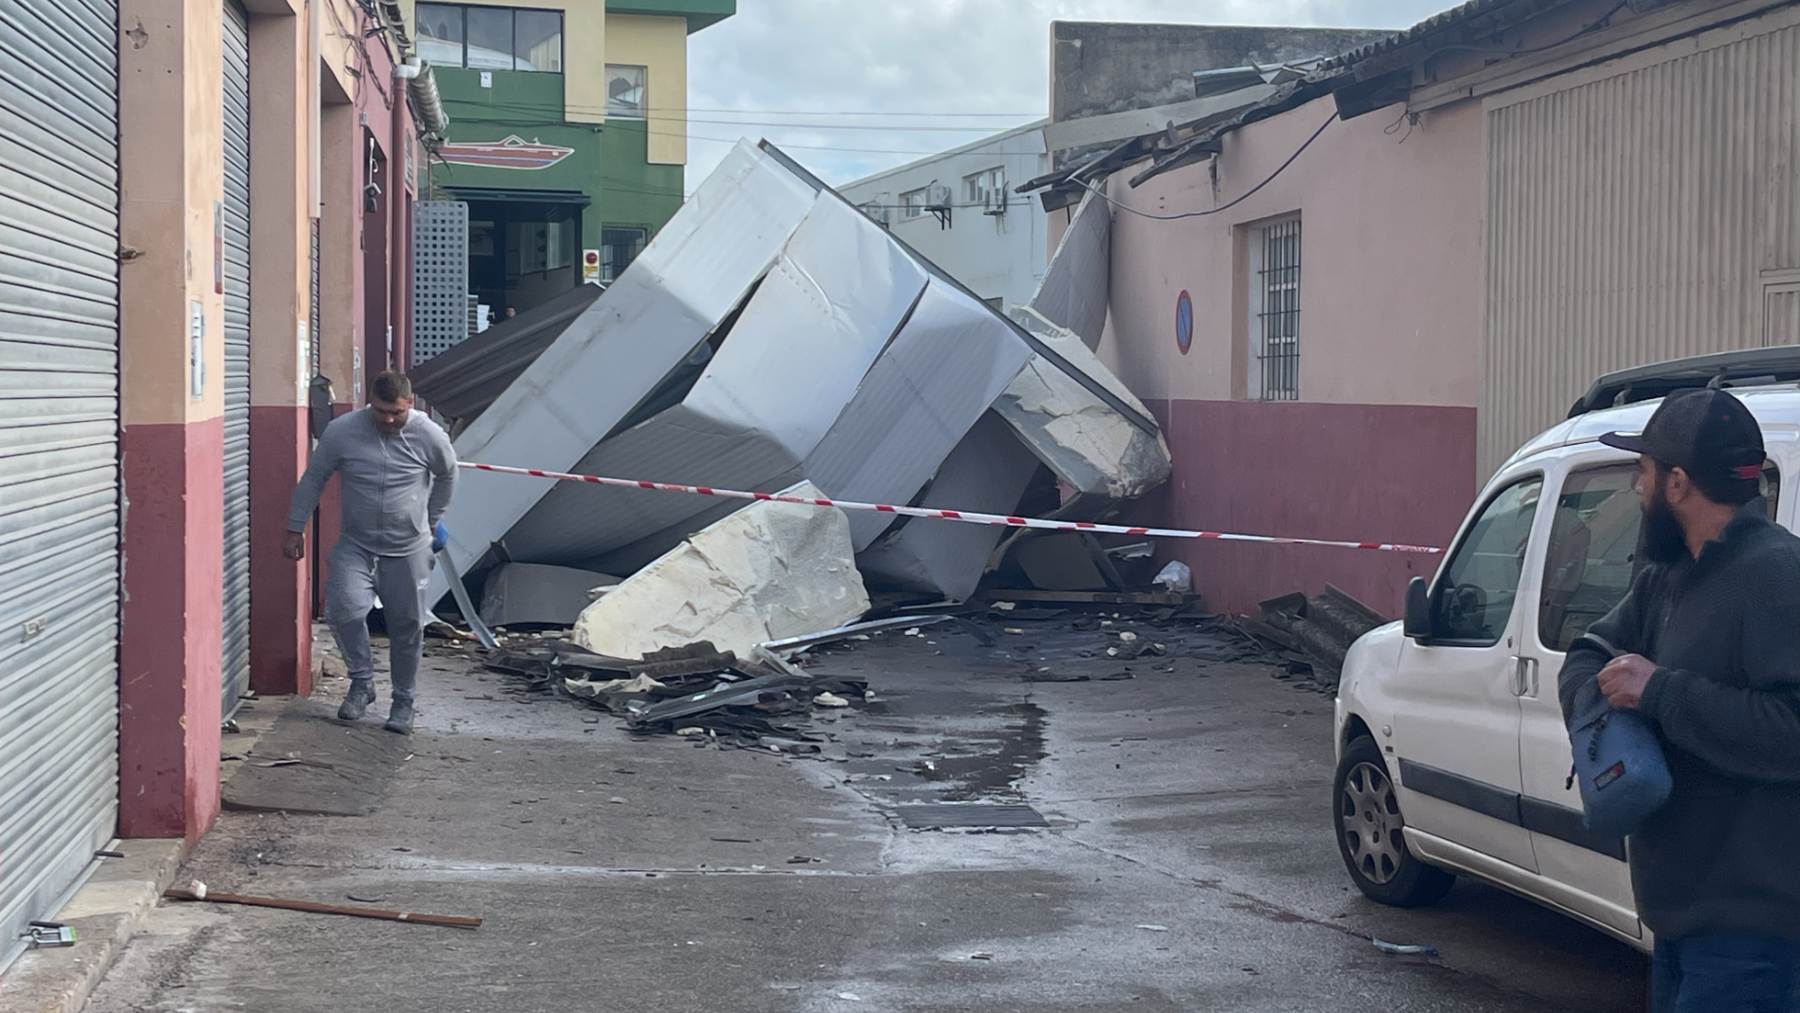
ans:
(964, 516)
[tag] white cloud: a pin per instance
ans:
(961, 61)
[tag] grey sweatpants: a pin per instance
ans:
(357, 576)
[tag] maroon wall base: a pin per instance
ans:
(1389, 473)
(169, 647)
(280, 589)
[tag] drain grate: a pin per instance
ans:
(954, 815)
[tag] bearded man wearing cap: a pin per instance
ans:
(1709, 652)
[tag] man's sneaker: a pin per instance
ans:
(356, 702)
(400, 717)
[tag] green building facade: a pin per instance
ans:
(567, 134)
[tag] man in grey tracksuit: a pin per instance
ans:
(399, 469)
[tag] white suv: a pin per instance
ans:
(1452, 755)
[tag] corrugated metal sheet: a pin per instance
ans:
(235, 614)
(1781, 315)
(1630, 219)
(59, 419)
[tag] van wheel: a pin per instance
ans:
(1366, 817)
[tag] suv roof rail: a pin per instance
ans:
(1749, 367)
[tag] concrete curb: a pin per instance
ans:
(105, 913)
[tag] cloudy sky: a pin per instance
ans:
(851, 87)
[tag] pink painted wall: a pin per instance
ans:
(1382, 444)
(1389, 473)
(1390, 296)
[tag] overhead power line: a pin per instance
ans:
(1246, 195)
(987, 128)
(505, 121)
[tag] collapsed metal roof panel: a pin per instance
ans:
(780, 380)
(1076, 287)
(949, 362)
(689, 278)
(461, 382)
(824, 349)
(1135, 413)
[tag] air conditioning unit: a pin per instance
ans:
(938, 196)
(993, 200)
(882, 214)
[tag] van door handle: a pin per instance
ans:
(1525, 677)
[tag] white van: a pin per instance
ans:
(1452, 754)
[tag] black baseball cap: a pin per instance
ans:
(1704, 432)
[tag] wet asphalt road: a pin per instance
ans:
(1185, 863)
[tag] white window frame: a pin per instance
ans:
(912, 203)
(643, 110)
(986, 188)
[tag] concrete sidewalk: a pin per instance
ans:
(1188, 864)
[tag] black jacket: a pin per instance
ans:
(1724, 632)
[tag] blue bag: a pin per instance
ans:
(1623, 776)
(1620, 766)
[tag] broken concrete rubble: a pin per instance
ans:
(770, 571)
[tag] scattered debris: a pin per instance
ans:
(638, 684)
(1154, 928)
(830, 700)
(1315, 632)
(1175, 578)
(197, 891)
(48, 934)
(1405, 949)
(792, 647)
(981, 956)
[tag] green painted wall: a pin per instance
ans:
(529, 105)
(634, 192)
(608, 163)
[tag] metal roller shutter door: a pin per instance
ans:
(235, 635)
(59, 422)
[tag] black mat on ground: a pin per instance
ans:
(312, 763)
(972, 815)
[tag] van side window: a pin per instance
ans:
(1591, 558)
(1474, 597)
(1588, 561)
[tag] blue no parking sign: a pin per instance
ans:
(1184, 322)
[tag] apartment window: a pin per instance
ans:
(619, 246)
(1275, 310)
(537, 41)
(912, 203)
(627, 91)
(985, 189)
(490, 38)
